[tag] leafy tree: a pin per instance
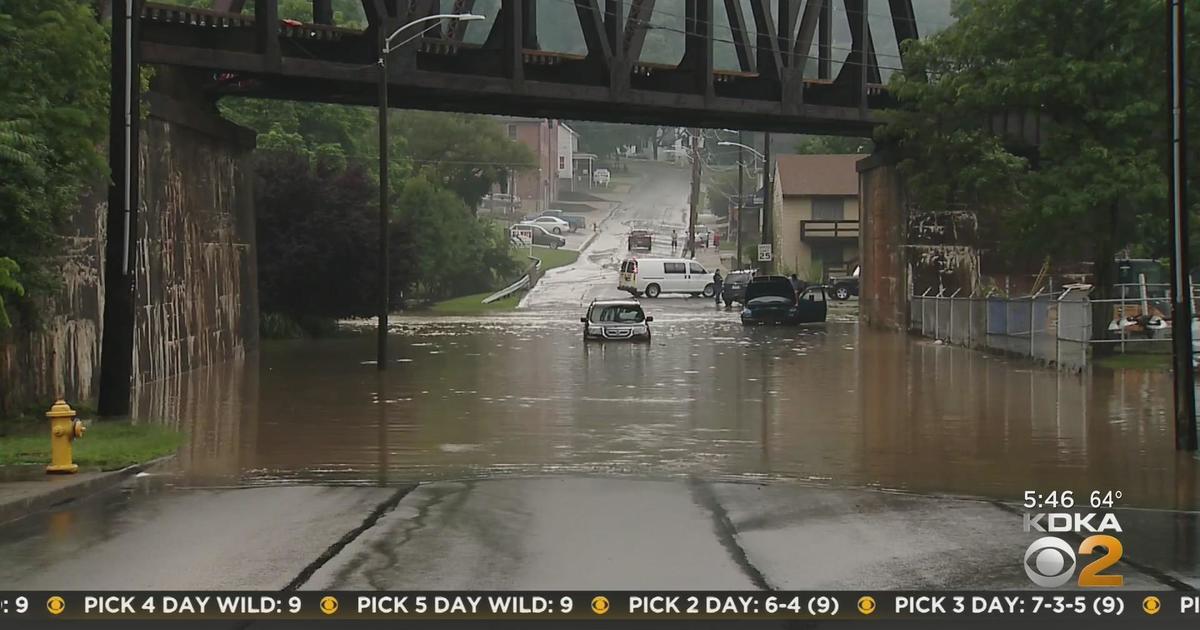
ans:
(822, 145)
(53, 119)
(444, 249)
(604, 139)
(1093, 70)
(315, 228)
(463, 153)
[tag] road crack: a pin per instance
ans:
(336, 548)
(703, 495)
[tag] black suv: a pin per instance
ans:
(733, 289)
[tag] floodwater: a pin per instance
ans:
(521, 394)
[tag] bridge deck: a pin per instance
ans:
(328, 63)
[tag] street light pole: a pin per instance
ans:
(741, 200)
(385, 48)
(1181, 286)
(384, 223)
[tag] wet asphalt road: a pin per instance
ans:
(503, 452)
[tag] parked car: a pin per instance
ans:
(771, 300)
(641, 239)
(541, 236)
(616, 320)
(843, 288)
(576, 222)
(654, 276)
(553, 224)
(601, 176)
(734, 288)
(501, 201)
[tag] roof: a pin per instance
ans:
(616, 303)
(801, 175)
(564, 126)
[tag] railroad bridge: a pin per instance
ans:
(773, 88)
(801, 66)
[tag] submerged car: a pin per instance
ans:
(616, 320)
(771, 300)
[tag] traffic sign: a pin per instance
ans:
(764, 252)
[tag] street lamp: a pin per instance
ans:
(384, 286)
(726, 143)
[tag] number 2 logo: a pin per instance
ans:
(1050, 561)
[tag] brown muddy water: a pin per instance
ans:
(522, 394)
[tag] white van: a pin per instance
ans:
(655, 276)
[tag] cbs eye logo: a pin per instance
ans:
(1050, 561)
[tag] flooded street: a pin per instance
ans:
(503, 452)
(520, 394)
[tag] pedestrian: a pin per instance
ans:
(674, 240)
(797, 285)
(717, 282)
(716, 236)
(595, 227)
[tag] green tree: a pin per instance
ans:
(316, 230)
(821, 145)
(463, 153)
(53, 119)
(1092, 69)
(445, 250)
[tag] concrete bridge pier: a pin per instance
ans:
(884, 283)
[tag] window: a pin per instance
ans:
(674, 268)
(621, 314)
(512, 132)
(562, 163)
(696, 268)
(828, 208)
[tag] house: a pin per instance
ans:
(537, 187)
(574, 167)
(568, 143)
(816, 215)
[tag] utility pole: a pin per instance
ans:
(741, 200)
(1181, 286)
(695, 201)
(768, 229)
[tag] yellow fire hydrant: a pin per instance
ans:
(64, 428)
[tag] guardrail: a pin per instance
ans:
(527, 281)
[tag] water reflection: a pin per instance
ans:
(526, 396)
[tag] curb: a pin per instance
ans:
(20, 508)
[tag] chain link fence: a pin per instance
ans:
(1055, 329)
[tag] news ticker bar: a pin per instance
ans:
(579, 605)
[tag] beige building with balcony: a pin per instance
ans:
(816, 215)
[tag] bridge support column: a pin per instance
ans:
(883, 258)
(120, 249)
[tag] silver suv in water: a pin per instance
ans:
(616, 320)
